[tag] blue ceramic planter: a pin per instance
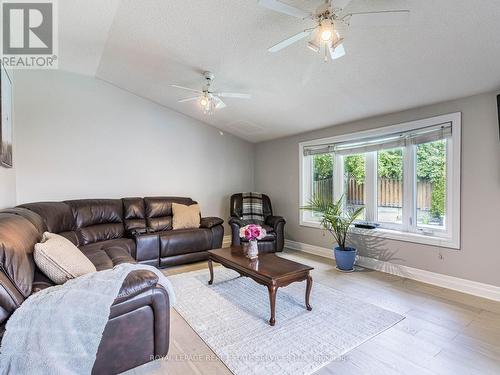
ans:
(345, 258)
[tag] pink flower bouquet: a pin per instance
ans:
(252, 232)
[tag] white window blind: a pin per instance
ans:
(401, 139)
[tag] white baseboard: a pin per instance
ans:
(461, 285)
(226, 241)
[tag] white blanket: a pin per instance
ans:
(58, 330)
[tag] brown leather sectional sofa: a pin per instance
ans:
(108, 232)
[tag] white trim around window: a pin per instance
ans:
(408, 230)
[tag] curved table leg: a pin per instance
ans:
(308, 292)
(272, 300)
(211, 268)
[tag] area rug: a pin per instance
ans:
(232, 315)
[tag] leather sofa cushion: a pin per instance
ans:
(17, 241)
(159, 211)
(58, 216)
(29, 215)
(101, 232)
(97, 219)
(134, 213)
(159, 224)
(41, 282)
(107, 254)
(184, 241)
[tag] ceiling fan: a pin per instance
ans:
(209, 100)
(331, 22)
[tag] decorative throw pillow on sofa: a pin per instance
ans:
(59, 259)
(185, 217)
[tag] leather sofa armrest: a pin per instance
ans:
(136, 282)
(209, 222)
(273, 221)
(278, 223)
(147, 247)
(236, 222)
(138, 328)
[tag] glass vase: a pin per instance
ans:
(252, 250)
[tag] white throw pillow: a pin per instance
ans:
(185, 217)
(60, 260)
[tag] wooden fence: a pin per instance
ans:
(323, 188)
(390, 192)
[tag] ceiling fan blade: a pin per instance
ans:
(188, 99)
(285, 43)
(337, 52)
(219, 104)
(233, 95)
(380, 18)
(342, 4)
(186, 88)
(280, 7)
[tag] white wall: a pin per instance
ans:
(277, 174)
(8, 175)
(7, 187)
(78, 137)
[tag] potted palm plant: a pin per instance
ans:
(337, 220)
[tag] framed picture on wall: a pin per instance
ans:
(5, 118)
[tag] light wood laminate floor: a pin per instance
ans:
(445, 332)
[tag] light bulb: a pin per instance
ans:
(204, 101)
(326, 31)
(326, 36)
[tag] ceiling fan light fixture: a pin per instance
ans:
(313, 46)
(208, 100)
(337, 52)
(207, 104)
(326, 31)
(204, 101)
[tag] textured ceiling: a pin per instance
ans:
(448, 49)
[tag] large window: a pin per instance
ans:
(407, 178)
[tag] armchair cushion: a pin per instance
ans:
(209, 222)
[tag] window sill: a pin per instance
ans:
(397, 235)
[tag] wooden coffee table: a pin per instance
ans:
(269, 270)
